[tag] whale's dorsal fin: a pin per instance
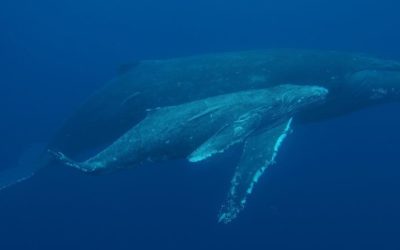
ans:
(259, 153)
(228, 136)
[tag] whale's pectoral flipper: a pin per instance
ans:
(228, 136)
(259, 153)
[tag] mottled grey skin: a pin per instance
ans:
(177, 131)
(354, 81)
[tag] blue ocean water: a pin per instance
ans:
(337, 182)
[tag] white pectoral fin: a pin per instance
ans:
(228, 136)
(259, 153)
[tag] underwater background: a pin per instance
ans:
(337, 183)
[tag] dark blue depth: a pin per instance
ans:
(337, 183)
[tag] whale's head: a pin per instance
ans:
(376, 86)
(301, 96)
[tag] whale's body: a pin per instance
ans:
(353, 82)
(197, 130)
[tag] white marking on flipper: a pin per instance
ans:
(251, 168)
(277, 145)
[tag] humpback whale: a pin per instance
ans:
(354, 81)
(149, 84)
(198, 130)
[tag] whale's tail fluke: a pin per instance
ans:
(27, 166)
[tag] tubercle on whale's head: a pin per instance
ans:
(298, 97)
(376, 85)
(315, 94)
